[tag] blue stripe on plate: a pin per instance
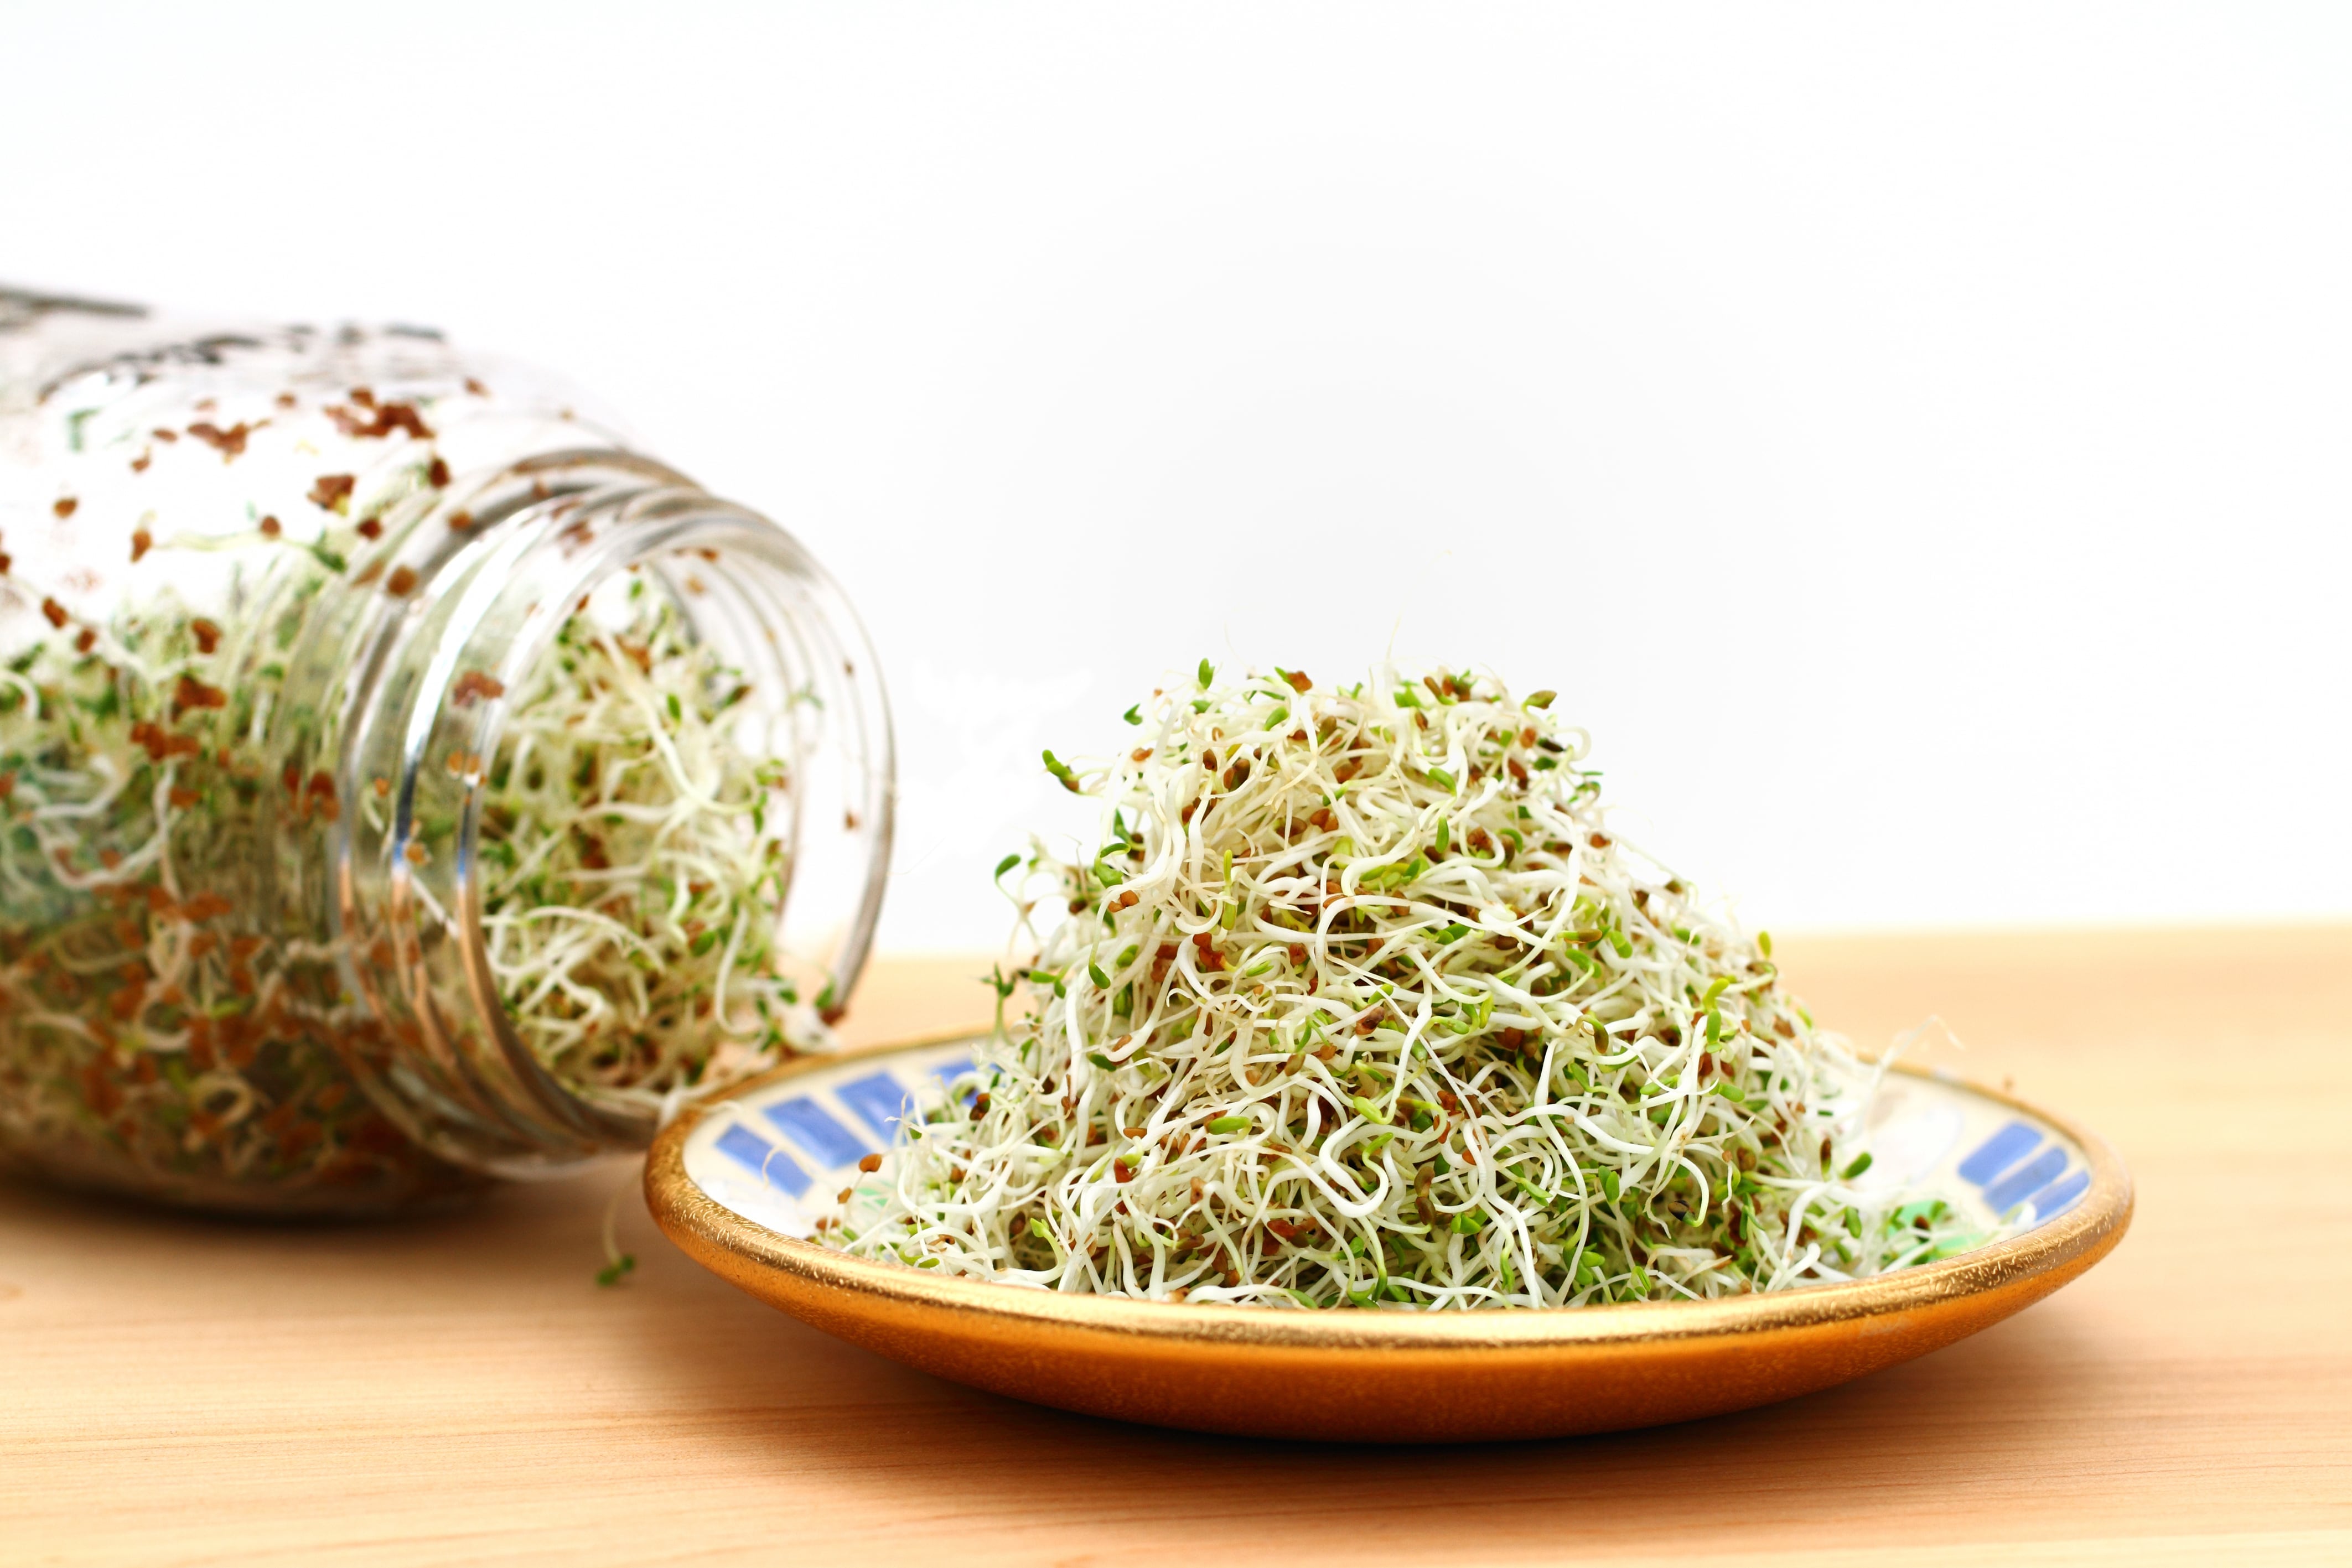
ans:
(881, 1101)
(748, 1149)
(2059, 1197)
(808, 1124)
(2026, 1180)
(1997, 1153)
(947, 1073)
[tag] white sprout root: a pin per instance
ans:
(1359, 1003)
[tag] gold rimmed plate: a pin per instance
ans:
(726, 1182)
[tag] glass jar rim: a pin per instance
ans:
(474, 618)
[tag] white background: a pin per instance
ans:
(1916, 442)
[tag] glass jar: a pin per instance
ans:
(402, 782)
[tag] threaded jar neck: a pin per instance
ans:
(618, 768)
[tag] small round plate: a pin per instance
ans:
(727, 1179)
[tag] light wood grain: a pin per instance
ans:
(457, 1389)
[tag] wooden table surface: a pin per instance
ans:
(457, 1389)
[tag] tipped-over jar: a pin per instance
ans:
(403, 781)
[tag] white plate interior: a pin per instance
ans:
(777, 1154)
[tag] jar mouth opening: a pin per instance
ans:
(643, 812)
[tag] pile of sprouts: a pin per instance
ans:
(1357, 1001)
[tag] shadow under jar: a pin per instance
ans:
(402, 783)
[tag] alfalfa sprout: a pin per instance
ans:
(1356, 999)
